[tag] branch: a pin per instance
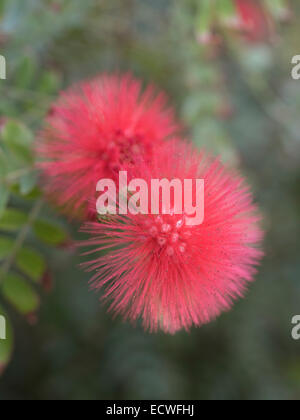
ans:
(6, 267)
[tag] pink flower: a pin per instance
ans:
(254, 19)
(94, 130)
(172, 275)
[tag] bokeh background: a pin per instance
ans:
(231, 85)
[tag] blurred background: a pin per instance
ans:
(226, 65)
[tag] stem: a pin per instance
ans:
(25, 93)
(6, 267)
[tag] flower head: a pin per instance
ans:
(171, 274)
(254, 20)
(95, 129)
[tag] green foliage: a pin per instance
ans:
(6, 247)
(22, 224)
(4, 197)
(49, 233)
(16, 142)
(31, 263)
(12, 220)
(20, 294)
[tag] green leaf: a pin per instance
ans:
(31, 263)
(6, 247)
(3, 163)
(20, 294)
(277, 7)
(33, 195)
(2, 7)
(14, 130)
(49, 233)
(198, 105)
(17, 140)
(12, 220)
(49, 83)
(4, 197)
(226, 8)
(205, 16)
(6, 345)
(25, 73)
(28, 182)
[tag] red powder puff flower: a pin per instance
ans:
(254, 18)
(94, 130)
(170, 274)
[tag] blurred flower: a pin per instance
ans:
(254, 19)
(94, 130)
(47, 281)
(3, 121)
(172, 275)
(208, 38)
